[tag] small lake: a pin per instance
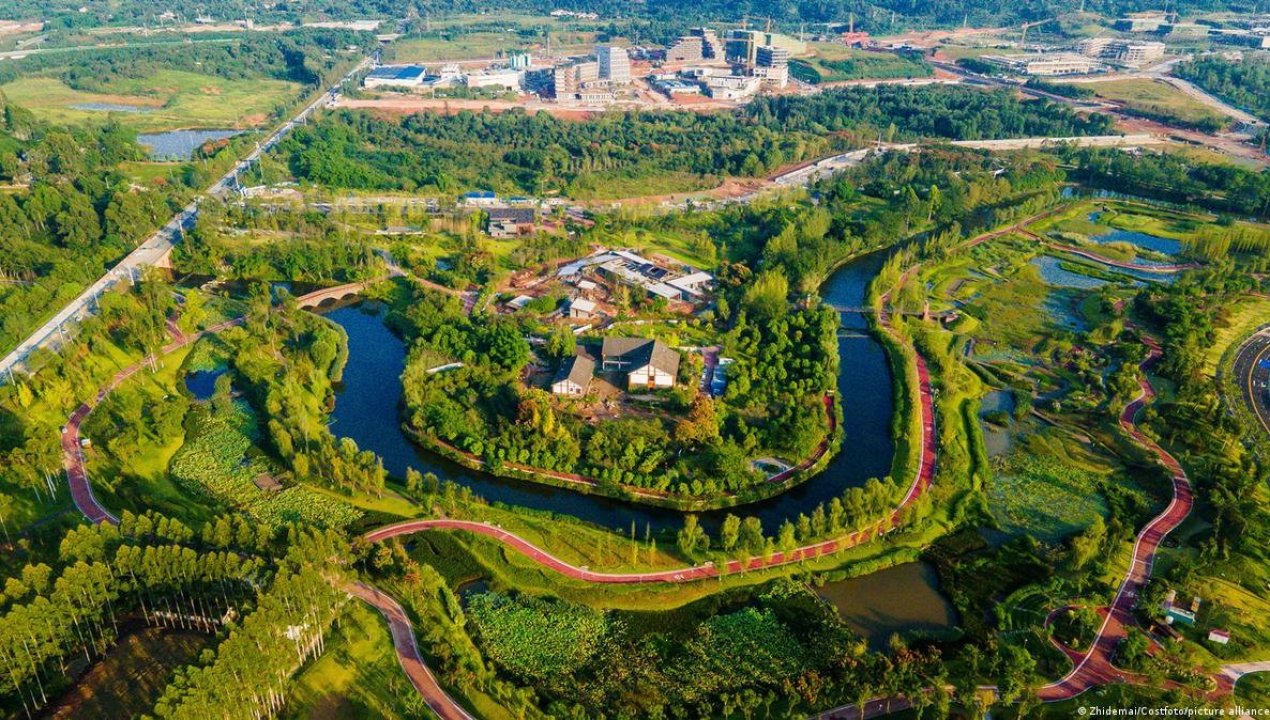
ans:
(112, 107)
(180, 144)
(202, 383)
(1168, 246)
(1053, 274)
(996, 439)
(901, 599)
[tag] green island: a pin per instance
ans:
(509, 361)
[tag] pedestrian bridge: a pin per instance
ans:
(330, 295)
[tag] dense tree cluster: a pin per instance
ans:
(1244, 83)
(514, 152)
(77, 215)
(903, 112)
(304, 56)
(1224, 188)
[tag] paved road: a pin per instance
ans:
(1230, 674)
(407, 647)
(1253, 377)
(156, 247)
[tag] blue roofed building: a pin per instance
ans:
(395, 76)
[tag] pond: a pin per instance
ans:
(202, 383)
(368, 401)
(1168, 246)
(901, 599)
(112, 107)
(1053, 273)
(180, 144)
(996, 439)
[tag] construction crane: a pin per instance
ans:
(1025, 26)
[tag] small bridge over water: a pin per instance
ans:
(926, 314)
(332, 294)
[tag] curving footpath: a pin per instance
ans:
(72, 450)
(921, 483)
(1095, 667)
(407, 647)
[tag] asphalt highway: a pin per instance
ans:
(156, 247)
(1252, 372)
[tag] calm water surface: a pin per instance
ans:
(367, 409)
(901, 599)
(180, 144)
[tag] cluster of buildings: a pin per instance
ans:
(1179, 614)
(509, 75)
(656, 280)
(1123, 52)
(1090, 55)
(732, 68)
(591, 82)
(647, 364)
(1167, 26)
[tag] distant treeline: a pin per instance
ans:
(539, 154)
(877, 16)
(304, 56)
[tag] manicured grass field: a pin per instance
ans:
(172, 99)
(1243, 318)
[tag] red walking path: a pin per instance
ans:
(1095, 667)
(72, 451)
(921, 482)
(407, 647)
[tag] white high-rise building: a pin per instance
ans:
(615, 64)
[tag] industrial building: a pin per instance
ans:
(711, 47)
(742, 45)
(395, 76)
(1259, 40)
(500, 77)
(1128, 52)
(1045, 64)
(687, 48)
(571, 78)
(732, 87)
(772, 65)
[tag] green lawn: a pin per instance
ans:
(1244, 317)
(357, 677)
(1156, 97)
(489, 44)
(833, 62)
(172, 99)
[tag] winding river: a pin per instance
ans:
(368, 400)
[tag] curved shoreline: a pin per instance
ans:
(765, 490)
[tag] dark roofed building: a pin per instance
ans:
(507, 222)
(648, 363)
(574, 376)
